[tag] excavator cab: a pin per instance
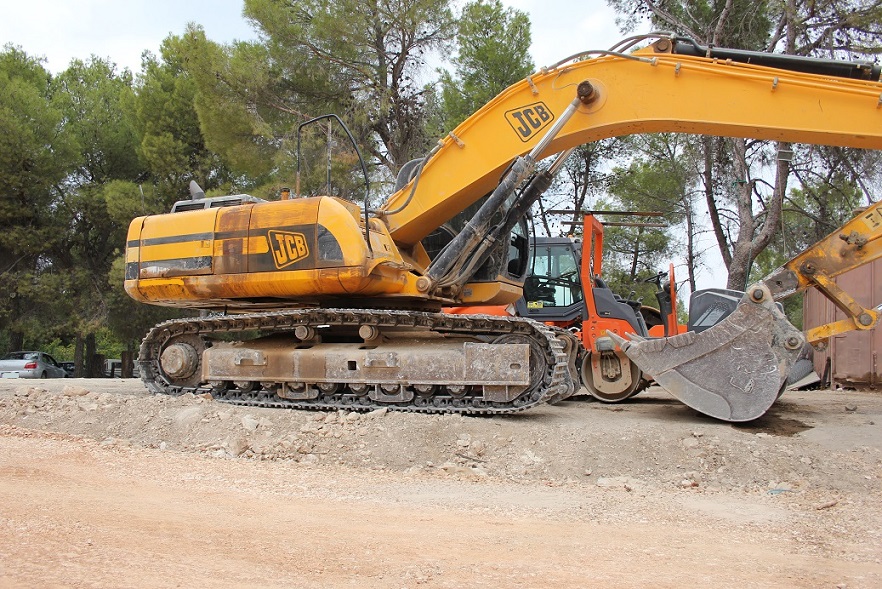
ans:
(553, 289)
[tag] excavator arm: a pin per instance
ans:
(648, 91)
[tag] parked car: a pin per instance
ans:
(30, 365)
(113, 368)
(69, 368)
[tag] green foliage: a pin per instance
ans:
(93, 99)
(171, 142)
(655, 181)
(34, 156)
(810, 213)
(841, 28)
(493, 52)
(126, 200)
(60, 350)
(38, 304)
(248, 108)
(346, 176)
(106, 343)
(650, 184)
(584, 181)
(36, 153)
(91, 95)
(364, 57)
(746, 23)
(746, 218)
(227, 86)
(69, 157)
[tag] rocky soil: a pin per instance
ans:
(105, 485)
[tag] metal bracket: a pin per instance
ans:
(858, 317)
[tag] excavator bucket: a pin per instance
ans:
(733, 371)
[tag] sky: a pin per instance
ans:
(62, 30)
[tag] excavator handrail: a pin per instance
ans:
(760, 73)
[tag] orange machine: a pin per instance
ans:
(564, 288)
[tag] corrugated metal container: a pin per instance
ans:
(850, 359)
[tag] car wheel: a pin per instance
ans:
(43, 374)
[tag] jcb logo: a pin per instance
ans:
(527, 120)
(287, 247)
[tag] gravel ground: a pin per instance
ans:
(105, 485)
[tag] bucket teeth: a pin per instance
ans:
(733, 371)
(622, 342)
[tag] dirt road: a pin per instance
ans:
(103, 485)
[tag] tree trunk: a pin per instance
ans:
(636, 255)
(749, 242)
(78, 358)
(90, 367)
(743, 249)
(128, 358)
(708, 145)
(16, 340)
(691, 261)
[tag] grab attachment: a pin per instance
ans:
(734, 371)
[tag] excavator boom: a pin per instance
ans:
(649, 91)
(233, 260)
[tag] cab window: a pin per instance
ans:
(555, 278)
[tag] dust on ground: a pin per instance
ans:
(105, 485)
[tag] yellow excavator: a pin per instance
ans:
(322, 303)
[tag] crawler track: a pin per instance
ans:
(557, 382)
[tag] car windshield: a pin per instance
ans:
(22, 356)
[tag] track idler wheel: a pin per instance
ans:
(181, 360)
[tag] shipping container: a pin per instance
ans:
(851, 359)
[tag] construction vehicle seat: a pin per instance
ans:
(611, 305)
(536, 290)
